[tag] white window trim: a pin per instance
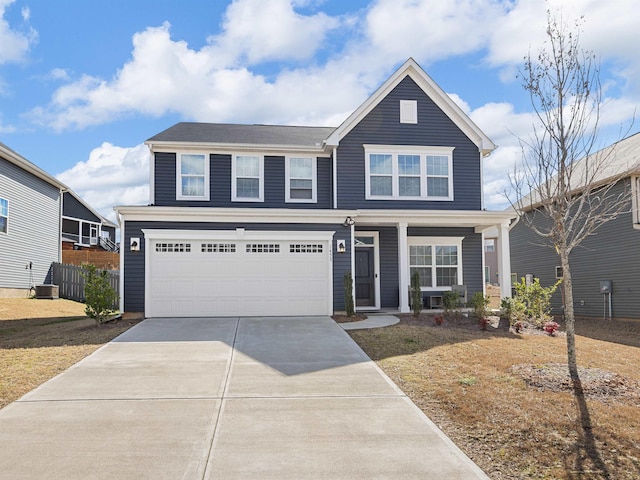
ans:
(314, 179)
(234, 185)
(6, 217)
(635, 200)
(394, 151)
(433, 242)
(179, 195)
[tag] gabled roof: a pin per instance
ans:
(18, 160)
(103, 220)
(411, 69)
(287, 137)
(615, 162)
(26, 165)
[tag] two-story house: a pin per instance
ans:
(267, 220)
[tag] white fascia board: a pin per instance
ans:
(440, 98)
(237, 234)
(233, 215)
(26, 165)
(319, 151)
(477, 219)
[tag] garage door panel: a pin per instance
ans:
(240, 278)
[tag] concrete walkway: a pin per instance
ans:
(250, 398)
(372, 321)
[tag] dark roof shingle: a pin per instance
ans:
(226, 133)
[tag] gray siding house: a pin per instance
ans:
(268, 219)
(30, 209)
(36, 213)
(611, 255)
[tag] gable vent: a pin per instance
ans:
(408, 111)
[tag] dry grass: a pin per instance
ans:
(41, 338)
(462, 378)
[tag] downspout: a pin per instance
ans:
(122, 251)
(335, 177)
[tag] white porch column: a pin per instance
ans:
(504, 261)
(403, 268)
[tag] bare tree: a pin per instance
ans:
(565, 187)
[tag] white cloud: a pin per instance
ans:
(111, 176)
(14, 44)
(264, 30)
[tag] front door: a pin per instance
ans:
(365, 278)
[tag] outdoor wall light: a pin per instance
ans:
(348, 222)
(341, 246)
(134, 244)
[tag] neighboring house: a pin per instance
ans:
(491, 257)
(611, 255)
(30, 208)
(84, 228)
(267, 220)
(35, 208)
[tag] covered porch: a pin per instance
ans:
(444, 247)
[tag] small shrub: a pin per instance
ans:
(536, 300)
(100, 298)
(349, 306)
(483, 322)
(551, 327)
(451, 304)
(438, 319)
(416, 294)
(519, 326)
(480, 304)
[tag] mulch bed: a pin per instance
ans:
(342, 318)
(596, 383)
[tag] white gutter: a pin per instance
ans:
(335, 177)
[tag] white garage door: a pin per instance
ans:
(259, 274)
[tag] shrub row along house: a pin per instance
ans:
(39, 216)
(266, 220)
(604, 268)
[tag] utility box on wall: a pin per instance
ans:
(605, 286)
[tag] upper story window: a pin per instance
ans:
(635, 200)
(247, 178)
(300, 175)
(4, 215)
(192, 171)
(409, 173)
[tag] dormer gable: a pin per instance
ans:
(407, 109)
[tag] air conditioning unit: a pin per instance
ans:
(93, 241)
(47, 291)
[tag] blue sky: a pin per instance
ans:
(83, 84)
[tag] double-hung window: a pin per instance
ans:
(4, 215)
(247, 184)
(300, 173)
(438, 261)
(192, 171)
(408, 172)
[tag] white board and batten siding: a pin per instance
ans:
(237, 273)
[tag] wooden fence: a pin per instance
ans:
(71, 282)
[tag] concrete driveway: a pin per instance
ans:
(225, 398)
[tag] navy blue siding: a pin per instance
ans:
(434, 128)
(73, 208)
(220, 183)
(111, 231)
(135, 268)
(472, 252)
(611, 254)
